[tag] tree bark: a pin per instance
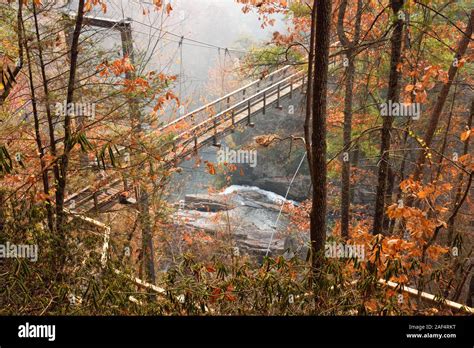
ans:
(348, 99)
(393, 96)
(64, 159)
(52, 137)
(39, 143)
(309, 92)
(318, 143)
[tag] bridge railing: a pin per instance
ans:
(204, 112)
(262, 98)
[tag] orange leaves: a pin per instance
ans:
(41, 197)
(197, 238)
(159, 5)
(426, 80)
(117, 67)
(409, 185)
(210, 268)
(384, 250)
(171, 96)
(133, 85)
(160, 101)
(422, 194)
(215, 294)
(416, 221)
(211, 169)
(229, 293)
(465, 160)
(430, 191)
(218, 293)
(371, 305)
(168, 9)
(25, 2)
(396, 212)
(187, 238)
(435, 251)
(265, 8)
(401, 279)
(266, 140)
(91, 3)
(466, 134)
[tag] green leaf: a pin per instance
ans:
(6, 164)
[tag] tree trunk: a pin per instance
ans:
(318, 143)
(393, 96)
(348, 99)
(39, 143)
(64, 159)
(144, 197)
(309, 93)
(52, 138)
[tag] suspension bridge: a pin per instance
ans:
(201, 127)
(192, 131)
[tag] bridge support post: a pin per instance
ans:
(195, 143)
(249, 112)
(96, 202)
(278, 98)
(233, 120)
(264, 102)
(214, 141)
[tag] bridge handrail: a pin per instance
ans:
(220, 99)
(244, 102)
